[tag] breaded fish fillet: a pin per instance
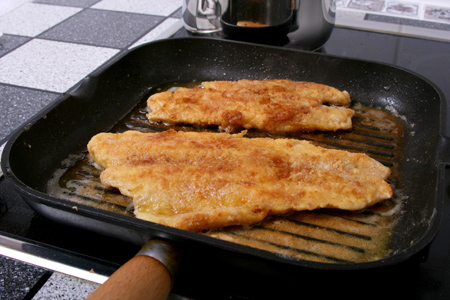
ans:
(268, 105)
(323, 93)
(197, 181)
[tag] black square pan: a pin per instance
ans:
(37, 149)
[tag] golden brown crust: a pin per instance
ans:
(197, 181)
(269, 105)
(322, 93)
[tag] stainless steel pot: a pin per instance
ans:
(203, 16)
(306, 23)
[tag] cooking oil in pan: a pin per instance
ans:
(329, 236)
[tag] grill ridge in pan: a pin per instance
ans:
(37, 149)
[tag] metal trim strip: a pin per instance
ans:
(13, 248)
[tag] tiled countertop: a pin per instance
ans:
(48, 46)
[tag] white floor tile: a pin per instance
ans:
(61, 286)
(151, 7)
(32, 19)
(52, 66)
(8, 5)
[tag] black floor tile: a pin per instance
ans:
(103, 28)
(19, 104)
(17, 278)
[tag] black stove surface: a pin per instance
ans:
(428, 274)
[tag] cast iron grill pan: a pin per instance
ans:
(36, 150)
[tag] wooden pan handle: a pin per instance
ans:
(148, 275)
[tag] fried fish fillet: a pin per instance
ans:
(268, 105)
(196, 181)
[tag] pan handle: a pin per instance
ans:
(148, 275)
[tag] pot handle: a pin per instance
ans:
(148, 275)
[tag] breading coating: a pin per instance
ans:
(196, 181)
(268, 105)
